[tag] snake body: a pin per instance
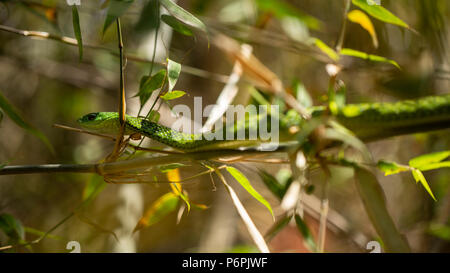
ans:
(369, 121)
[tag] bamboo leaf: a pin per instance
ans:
(374, 202)
(116, 9)
(77, 30)
(418, 176)
(369, 57)
(13, 114)
(159, 209)
(306, 233)
(173, 95)
(379, 12)
(325, 49)
(427, 159)
(277, 227)
(249, 188)
(359, 17)
(12, 228)
(183, 15)
(149, 84)
(176, 25)
(173, 72)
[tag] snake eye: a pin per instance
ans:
(91, 116)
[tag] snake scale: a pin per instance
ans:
(369, 121)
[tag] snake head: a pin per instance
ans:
(100, 122)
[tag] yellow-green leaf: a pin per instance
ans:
(418, 176)
(159, 209)
(359, 17)
(369, 57)
(14, 115)
(240, 177)
(173, 95)
(325, 49)
(427, 159)
(379, 12)
(390, 168)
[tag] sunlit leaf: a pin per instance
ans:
(374, 202)
(13, 114)
(434, 166)
(390, 168)
(183, 15)
(427, 159)
(173, 95)
(159, 209)
(379, 12)
(12, 227)
(282, 9)
(173, 72)
(249, 188)
(418, 176)
(364, 21)
(306, 233)
(325, 49)
(369, 57)
(176, 25)
(116, 9)
(77, 30)
(149, 84)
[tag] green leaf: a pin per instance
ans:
(325, 48)
(13, 114)
(306, 233)
(95, 185)
(173, 72)
(418, 176)
(183, 15)
(149, 17)
(302, 94)
(173, 95)
(390, 168)
(77, 30)
(340, 133)
(115, 10)
(369, 57)
(277, 227)
(374, 202)
(277, 188)
(176, 25)
(159, 209)
(12, 228)
(249, 188)
(440, 231)
(379, 12)
(434, 166)
(427, 159)
(149, 84)
(283, 9)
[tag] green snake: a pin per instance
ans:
(368, 121)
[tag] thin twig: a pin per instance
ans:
(340, 41)
(73, 42)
